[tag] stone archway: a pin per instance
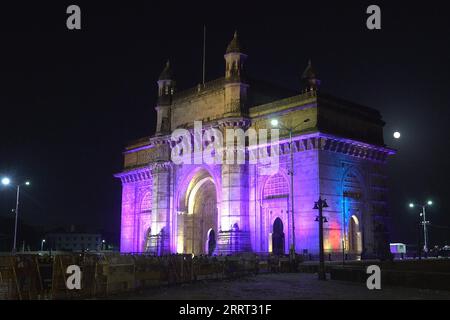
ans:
(353, 212)
(197, 216)
(277, 237)
(211, 242)
(144, 223)
(275, 201)
(148, 240)
(354, 236)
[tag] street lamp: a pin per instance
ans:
(424, 222)
(319, 205)
(275, 123)
(6, 181)
(42, 244)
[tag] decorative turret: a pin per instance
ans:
(309, 78)
(234, 46)
(234, 59)
(166, 85)
(235, 82)
(166, 89)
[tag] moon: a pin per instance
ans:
(397, 135)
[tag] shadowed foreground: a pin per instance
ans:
(282, 287)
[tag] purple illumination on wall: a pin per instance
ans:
(136, 209)
(247, 203)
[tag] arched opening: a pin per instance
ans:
(162, 249)
(275, 201)
(144, 222)
(198, 216)
(278, 237)
(210, 242)
(353, 212)
(148, 238)
(354, 236)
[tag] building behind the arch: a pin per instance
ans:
(339, 154)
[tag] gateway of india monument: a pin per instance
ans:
(327, 147)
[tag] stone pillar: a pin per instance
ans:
(160, 237)
(135, 218)
(128, 215)
(234, 234)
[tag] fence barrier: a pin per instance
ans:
(33, 276)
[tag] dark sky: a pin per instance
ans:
(70, 100)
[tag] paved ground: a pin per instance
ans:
(285, 286)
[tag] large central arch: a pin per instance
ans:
(197, 220)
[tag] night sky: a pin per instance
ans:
(71, 100)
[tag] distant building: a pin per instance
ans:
(73, 241)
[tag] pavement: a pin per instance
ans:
(282, 286)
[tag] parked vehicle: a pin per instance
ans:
(445, 251)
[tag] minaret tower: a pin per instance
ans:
(166, 89)
(234, 234)
(235, 82)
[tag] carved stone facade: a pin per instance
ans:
(338, 153)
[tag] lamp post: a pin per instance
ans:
(6, 181)
(275, 123)
(424, 222)
(42, 244)
(319, 205)
(343, 226)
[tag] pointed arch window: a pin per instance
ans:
(276, 187)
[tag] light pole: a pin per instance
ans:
(275, 123)
(42, 244)
(424, 223)
(319, 205)
(343, 233)
(6, 181)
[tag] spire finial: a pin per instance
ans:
(234, 45)
(309, 77)
(309, 72)
(166, 74)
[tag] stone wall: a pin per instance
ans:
(205, 106)
(136, 212)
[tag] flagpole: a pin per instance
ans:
(204, 53)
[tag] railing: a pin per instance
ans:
(210, 85)
(298, 99)
(44, 277)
